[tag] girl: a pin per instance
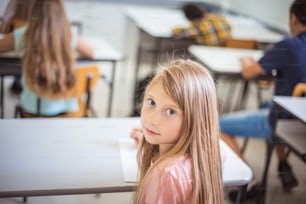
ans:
(178, 155)
(48, 62)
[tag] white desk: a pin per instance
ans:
(225, 62)
(158, 22)
(289, 132)
(222, 60)
(10, 64)
(74, 156)
(250, 29)
(296, 106)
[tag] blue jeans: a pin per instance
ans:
(247, 124)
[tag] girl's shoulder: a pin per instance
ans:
(177, 167)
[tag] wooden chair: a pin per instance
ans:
(17, 23)
(288, 132)
(241, 43)
(86, 80)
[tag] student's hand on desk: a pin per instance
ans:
(246, 61)
(137, 135)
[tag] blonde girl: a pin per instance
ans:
(178, 155)
(47, 45)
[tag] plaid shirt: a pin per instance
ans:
(210, 30)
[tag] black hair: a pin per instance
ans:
(193, 11)
(298, 8)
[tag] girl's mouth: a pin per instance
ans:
(151, 132)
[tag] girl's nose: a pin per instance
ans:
(155, 117)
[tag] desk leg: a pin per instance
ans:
(242, 102)
(137, 73)
(111, 89)
(263, 189)
(157, 46)
(1, 95)
(241, 194)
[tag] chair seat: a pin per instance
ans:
(82, 112)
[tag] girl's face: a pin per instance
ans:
(161, 118)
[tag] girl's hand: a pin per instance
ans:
(137, 135)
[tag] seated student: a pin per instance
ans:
(205, 28)
(286, 61)
(16, 15)
(46, 45)
(178, 154)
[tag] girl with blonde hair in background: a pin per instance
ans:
(46, 45)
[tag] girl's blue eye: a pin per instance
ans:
(151, 103)
(170, 111)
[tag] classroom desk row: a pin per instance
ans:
(220, 61)
(42, 157)
(157, 23)
(10, 64)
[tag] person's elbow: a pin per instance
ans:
(251, 70)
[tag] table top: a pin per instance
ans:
(158, 22)
(249, 29)
(103, 51)
(222, 60)
(293, 105)
(68, 156)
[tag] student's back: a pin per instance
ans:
(46, 45)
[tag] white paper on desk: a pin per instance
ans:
(128, 152)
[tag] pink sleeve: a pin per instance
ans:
(168, 188)
(172, 190)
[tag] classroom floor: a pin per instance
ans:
(122, 105)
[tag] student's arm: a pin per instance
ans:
(7, 43)
(250, 68)
(84, 49)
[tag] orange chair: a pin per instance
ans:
(86, 80)
(241, 43)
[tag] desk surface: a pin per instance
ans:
(158, 22)
(248, 28)
(222, 60)
(69, 156)
(103, 51)
(294, 105)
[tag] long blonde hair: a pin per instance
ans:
(48, 58)
(192, 87)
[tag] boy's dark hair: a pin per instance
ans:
(193, 11)
(298, 8)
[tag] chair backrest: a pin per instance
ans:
(299, 90)
(17, 23)
(241, 43)
(86, 79)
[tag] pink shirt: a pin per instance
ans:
(170, 182)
